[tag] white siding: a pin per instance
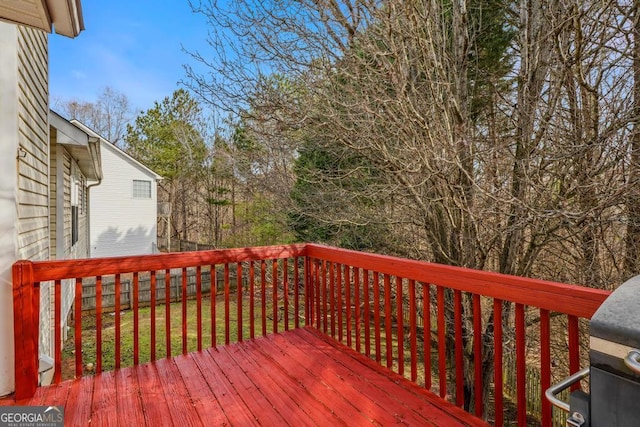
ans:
(120, 224)
(24, 183)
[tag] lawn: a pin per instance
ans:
(144, 331)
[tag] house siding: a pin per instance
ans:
(33, 179)
(53, 194)
(24, 188)
(33, 137)
(121, 224)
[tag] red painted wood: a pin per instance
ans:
(332, 300)
(285, 293)
(200, 393)
(521, 371)
(274, 292)
(439, 413)
(278, 377)
(153, 289)
(176, 394)
(233, 404)
(77, 318)
(239, 293)
(260, 394)
(347, 302)
(296, 292)
(387, 321)
(477, 355)
(367, 313)
(199, 306)
(57, 325)
(442, 347)
(545, 366)
(78, 399)
(263, 284)
(314, 299)
(413, 330)
(325, 298)
(271, 386)
(400, 320)
(340, 308)
(426, 334)
(497, 360)
(156, 410)
(574, 349)
(356, 384)
(571, 299)
(457, 320)
(117, 321)
(98, 324)
(128, 402)
(308, 293)
(59, 393)
(356, 306)
(167, 311)
(64, 269)
(184, 310)
(104, 399)
(252, 300)
(213, 300)
(331, 393)
(136, 315)
(227, 292)
(298, 377)
(376, 315)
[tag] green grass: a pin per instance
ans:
(89, 333)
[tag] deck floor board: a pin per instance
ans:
(299, 377)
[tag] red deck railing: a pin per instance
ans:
(434, 324)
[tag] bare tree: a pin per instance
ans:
(108, 116)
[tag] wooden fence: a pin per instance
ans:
(126, 289)
(180, 245)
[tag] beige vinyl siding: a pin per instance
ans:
(53, 192)
(33, 168)
(66, 207)
(33, 137)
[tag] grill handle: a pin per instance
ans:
(632, 360)
(551, 392)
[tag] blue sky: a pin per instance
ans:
(133, 46)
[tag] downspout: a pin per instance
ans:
(93, 142)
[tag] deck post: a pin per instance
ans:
(26, 303)
(307, 291)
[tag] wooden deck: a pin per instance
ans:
(299, 377)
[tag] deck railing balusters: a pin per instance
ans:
(153, 314)
(343, 293)
(239, 300)
(199, 306)
(99, 324)
(78, 326)
(117, 321)
(57, 331)
(227, 309)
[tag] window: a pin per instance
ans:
(141, 189)
(75, 189)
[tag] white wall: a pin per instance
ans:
(119, 224)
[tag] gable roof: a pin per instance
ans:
(65, 16)
(115, 149)
(85, 148)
